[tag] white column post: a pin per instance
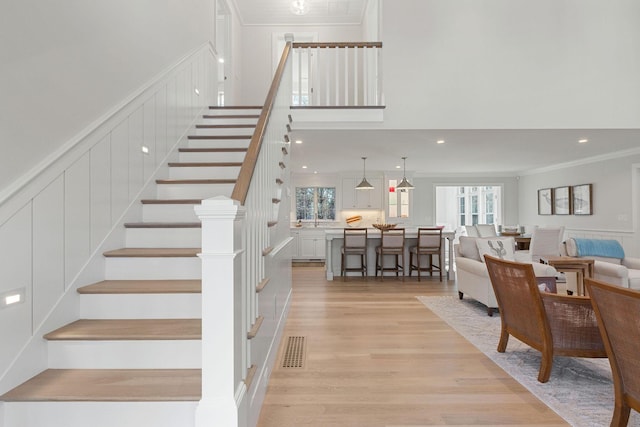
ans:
(222, 356)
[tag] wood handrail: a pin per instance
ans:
(338, 45)
(241, 189)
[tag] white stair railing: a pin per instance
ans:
(245, 244)
(337, 75)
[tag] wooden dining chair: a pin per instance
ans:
(429, 245)
(355, 243)
(618, 312)
(391, 243)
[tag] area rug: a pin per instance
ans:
(579, 390)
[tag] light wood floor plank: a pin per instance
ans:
(377, 357)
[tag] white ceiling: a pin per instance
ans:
(278, 12)
(487, 152)
(465, 152)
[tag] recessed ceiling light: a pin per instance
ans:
(304, 167)
(298, 141)
(440, 141)
(582, 141)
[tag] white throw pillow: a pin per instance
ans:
(468, 248)
(503, 248)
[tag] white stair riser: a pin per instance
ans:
(212, 157)
(163, 237)
(127, 268)
(141, 306)
(168, 213)
(229, 121)
(222, 131)
(194, 191)
(218, 143)
(204, 172)
(126, 354)
(100, 414)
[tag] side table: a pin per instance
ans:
(583, 267)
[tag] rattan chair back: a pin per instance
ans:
(618, 312)
(553, 324)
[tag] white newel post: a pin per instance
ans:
(222, 256)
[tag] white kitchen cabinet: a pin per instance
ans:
(311, 244)
(361, 199)
(295, 251)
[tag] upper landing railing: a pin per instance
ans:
(337, 75)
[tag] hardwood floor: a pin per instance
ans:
(375, 356)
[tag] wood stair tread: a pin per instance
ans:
(231, 116)
(230, 126)
(219, 137)
(171, 201)
(163, 225)
(143, 287)
(113, 385)
(204, 164)
(235, 107)
(212, 150)
(128, 329)
(153, 252)
(196, 181)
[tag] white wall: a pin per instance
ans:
(66, 64)
(485, 64)
(615, 200)
(256, 60)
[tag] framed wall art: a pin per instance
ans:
(562, 200)
(545, 201)
(582, 199)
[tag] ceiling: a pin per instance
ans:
(465, 152)
(278, 12)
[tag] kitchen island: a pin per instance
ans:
(335, 239)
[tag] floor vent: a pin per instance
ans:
(294, 353)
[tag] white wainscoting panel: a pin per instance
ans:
(48, 249)
(15, 265)
(119, 169)
(101, 221)
(136, 157)
(77, 217)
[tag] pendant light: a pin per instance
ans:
(404, 184)
(364, 184)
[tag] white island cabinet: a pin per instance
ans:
(335, 239)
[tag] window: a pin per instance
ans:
(316, 203)
(457, 206)
(398, 201)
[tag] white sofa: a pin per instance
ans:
(472, 277)
(619, 270)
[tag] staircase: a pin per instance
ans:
(133, 357)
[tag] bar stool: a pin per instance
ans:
(355, 243)
(429, 244)
(391, 243)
